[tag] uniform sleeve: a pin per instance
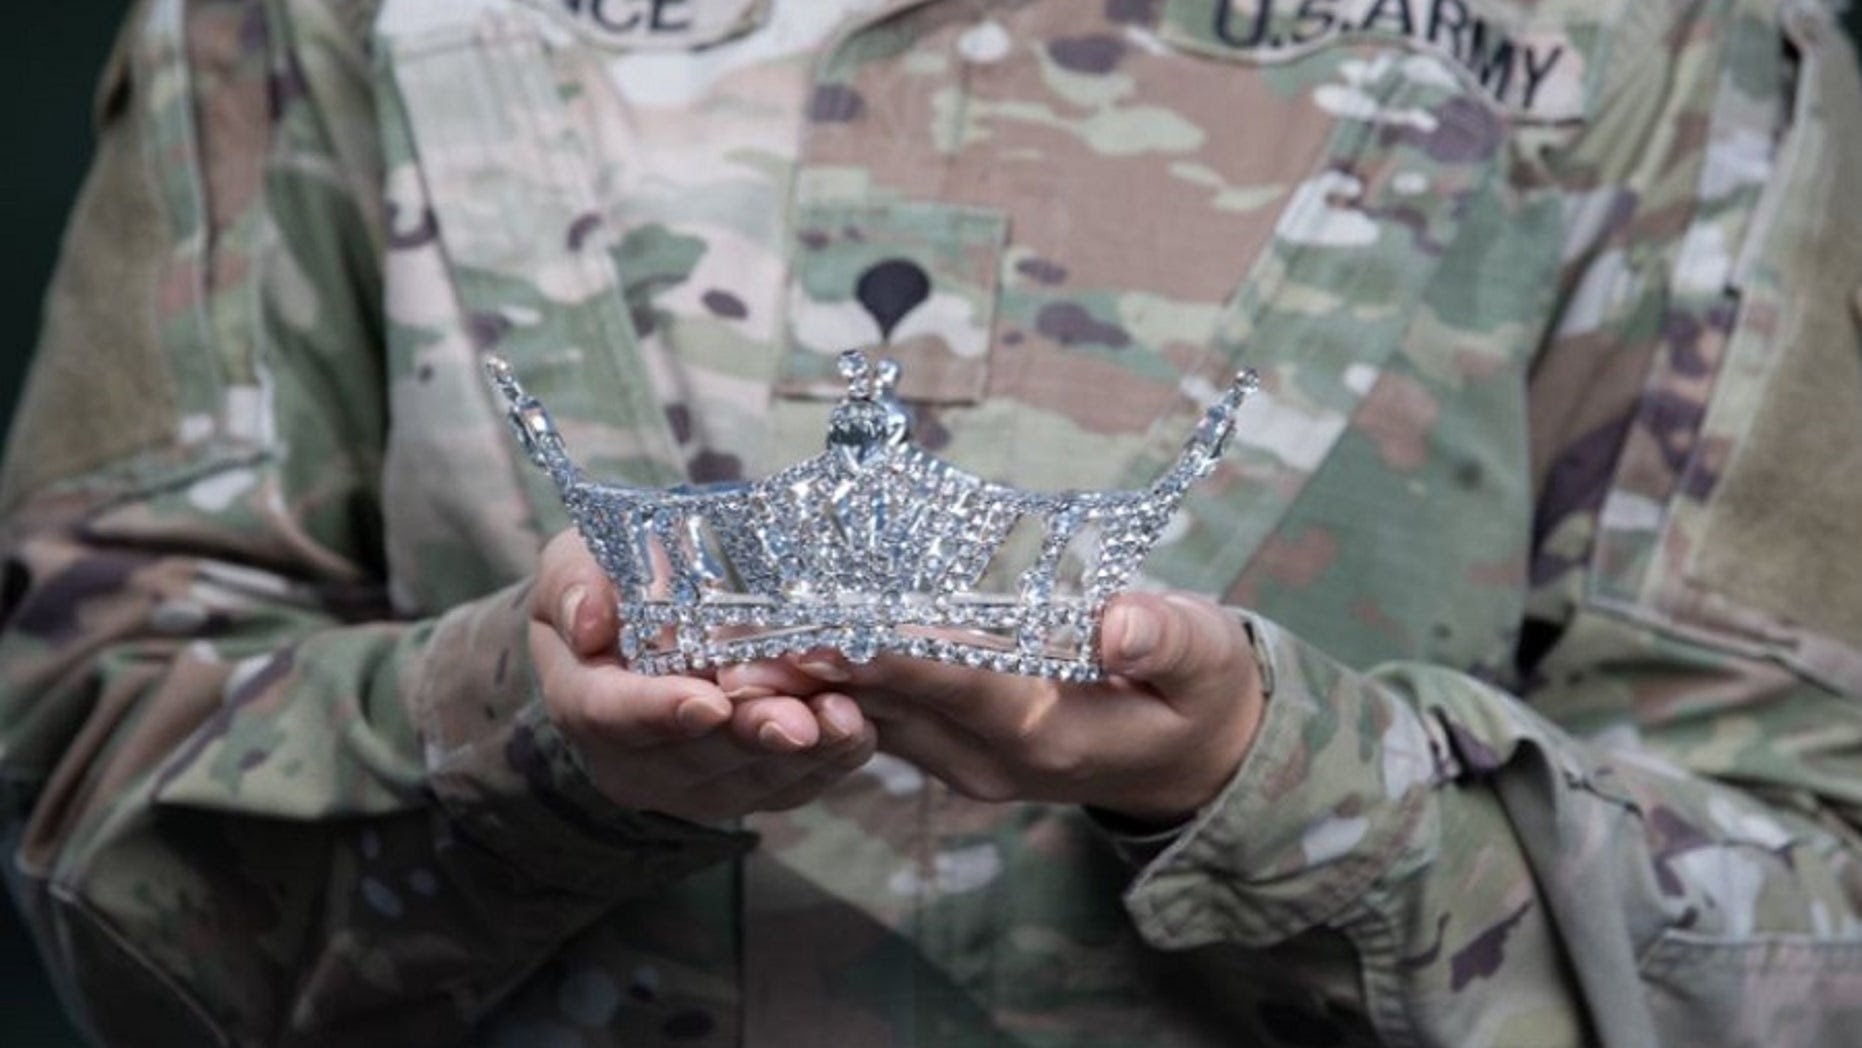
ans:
(1649, 837)
(251, 802)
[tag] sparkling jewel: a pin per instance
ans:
(873, 547)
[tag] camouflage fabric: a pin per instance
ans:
(1540, 524)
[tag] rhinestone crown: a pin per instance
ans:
(872, 546)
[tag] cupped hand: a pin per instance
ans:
(677, 745)
(1154, 741)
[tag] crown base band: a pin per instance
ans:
(952, 632)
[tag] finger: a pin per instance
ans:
(848, 741)
(1183, 647)
(949, 752)
(783, 724)
(822, 776)
(600, 699)
(1047, 737)
(842, 724)
(1003, 709)
(573, 596)
(774, 782)
(750, 680)
(775, 724)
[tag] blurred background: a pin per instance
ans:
(50, 57)
(49, 62)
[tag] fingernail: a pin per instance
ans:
(773, 737)
(821, 669)
(697, 715)
(841, 721)
(1137, 630)
(749, 691)
(565, 614)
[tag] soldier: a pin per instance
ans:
(1501, 689)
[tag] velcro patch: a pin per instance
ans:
(660, 25)
(1529, 71)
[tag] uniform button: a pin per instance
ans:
(984, 43)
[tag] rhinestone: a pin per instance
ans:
(862, 644)
(841, 557)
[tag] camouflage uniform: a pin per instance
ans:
(1542, 521)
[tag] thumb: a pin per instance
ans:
(572, 596)
(1183, 646)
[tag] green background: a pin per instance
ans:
(50, 56)
(49, 63)
(50, 60)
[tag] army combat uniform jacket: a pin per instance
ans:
(1542, 522)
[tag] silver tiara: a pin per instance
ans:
(872, 546)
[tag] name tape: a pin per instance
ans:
(1532, 72)
(660, 24)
